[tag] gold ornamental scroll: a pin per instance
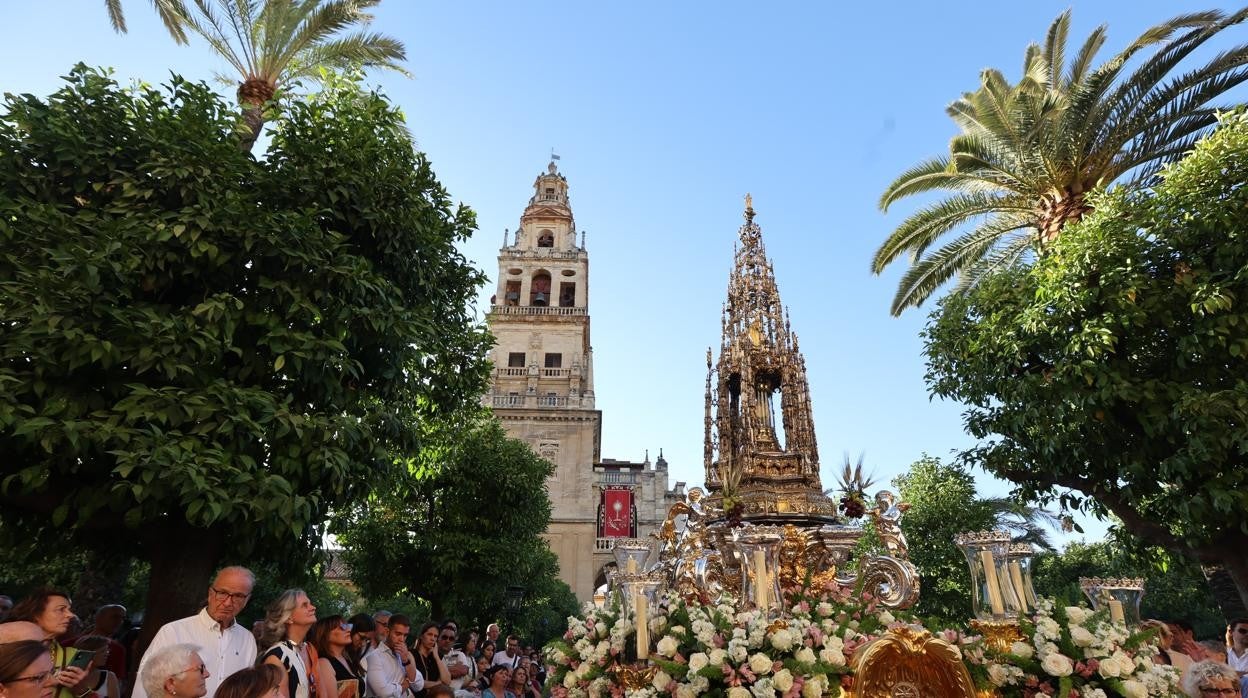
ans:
(910, 663)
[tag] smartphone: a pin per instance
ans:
(81, 659)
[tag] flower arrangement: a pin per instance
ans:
(714, 650)
(1074, 652)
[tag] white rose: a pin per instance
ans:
(805, 655)
(998, 675)
(697, 661)
(600, 629)
(661, 679)
(833, 642)
(668, 646)
(1134, 689)
(685, 691)
(886, 617)
(760, 663)
(1110, 668)
(738, 692)
(1078, 615)
(569, 680)
(832, 657)
(763, 689)
(783, 680)
(782, 640)
(1022, 650)
(718, 656)
(824, 609)
(814, 686)
(1057, 664)
(1081, 637)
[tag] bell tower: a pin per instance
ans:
(760, 435)
(542, 389)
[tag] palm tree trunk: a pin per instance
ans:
(253, 116)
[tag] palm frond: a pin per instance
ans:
(955, 258)
(919, 230)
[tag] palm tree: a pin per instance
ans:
(1028, 154)
(272, 43)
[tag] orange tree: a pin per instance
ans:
(1113, 375)
(203, 354)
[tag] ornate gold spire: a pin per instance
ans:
(762, 437)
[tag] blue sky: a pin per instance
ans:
(665, 115)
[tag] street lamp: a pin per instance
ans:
(514, 598)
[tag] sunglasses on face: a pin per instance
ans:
(345, 626)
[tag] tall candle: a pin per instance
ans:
(643, 627)
(1115, 611)
(760, 579)
(994, 585)
(631, 566)
(1016, 578)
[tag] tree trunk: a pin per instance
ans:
(254, 117)
(102, 582)
(183, 560)
(1229, 584)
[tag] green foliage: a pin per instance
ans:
(1174, 588)
(459, 528)
(1028, 153)
(943, 503)
(196, 341)
(1114, 374)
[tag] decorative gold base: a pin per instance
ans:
(999, 634)
(634, 677)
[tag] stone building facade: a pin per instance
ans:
(543, 390)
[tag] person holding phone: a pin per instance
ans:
(104, 683)
(51, 611)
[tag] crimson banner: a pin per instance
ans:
(617, 513)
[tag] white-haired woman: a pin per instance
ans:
(1209, 679)
(286, 624)
(176, 670)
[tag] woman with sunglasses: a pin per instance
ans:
(26, 670)
(332, 639)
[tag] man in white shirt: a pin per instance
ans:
(225, 646)
(511, 657)
(1237, 651)
(457, 663)
(389, 670)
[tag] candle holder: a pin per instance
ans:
(1121, 595)
(635, 549)
(630, 585)
(993, 597)
(1018, 560)
(759, 553)
(999, 635)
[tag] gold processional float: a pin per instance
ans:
(765, 519)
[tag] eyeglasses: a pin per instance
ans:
(1220, 691)
(202, 669)
(447, 637)
(37, 678)
(236, 598)
(346, 626)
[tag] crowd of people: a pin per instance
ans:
(291, 653)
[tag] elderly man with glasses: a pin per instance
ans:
(226, 646)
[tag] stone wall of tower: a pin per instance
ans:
(543, 384)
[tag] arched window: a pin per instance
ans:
(546, 239)
(539, 290)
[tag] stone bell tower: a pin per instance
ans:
(760, 434)
(543, 384)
